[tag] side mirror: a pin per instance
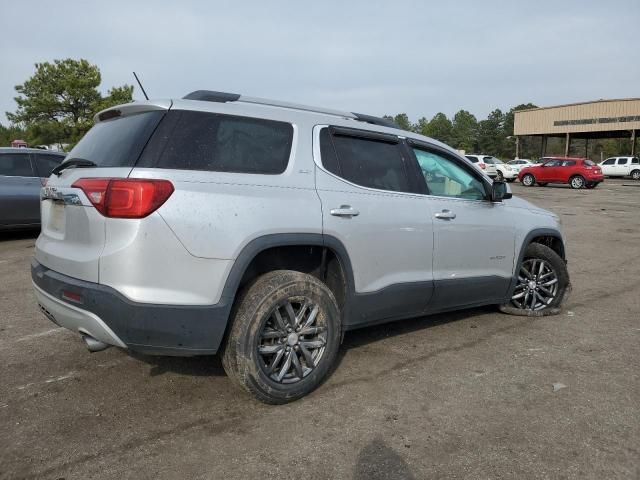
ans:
(500, 191)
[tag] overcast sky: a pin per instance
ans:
(370, 57)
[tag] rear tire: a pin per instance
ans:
(635, 175)
(577, 182)
(268, 331)
(528, 180)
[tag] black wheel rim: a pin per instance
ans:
(292, 340)
(537, 285)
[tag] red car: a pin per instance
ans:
(577, 172)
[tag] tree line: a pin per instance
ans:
(57, 103)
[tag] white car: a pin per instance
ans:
(621, 167)
(504, 171)
(519, 163)
(485, 163)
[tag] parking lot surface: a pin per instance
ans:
(474, 394)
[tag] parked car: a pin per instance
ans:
(263, 230)
(519, 163)
(22, 174)
(621, 167)
(485, 163)
(504, 171)
(577, 172)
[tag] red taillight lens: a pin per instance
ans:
(125, 197)
(482, 166)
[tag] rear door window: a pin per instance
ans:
(622, 161)
(568, 163)
(15, 165)
(189, 140)
(45, 163)
(368, 162)
(117, 142)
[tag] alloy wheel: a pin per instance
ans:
(292, 341)
(527, 180)
(537, 285)
(635, 174)
(577, 182)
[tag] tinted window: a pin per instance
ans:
(327, 152)
(117, 142)
(446, 178)
(46, 163)
(609, 161)
(15, 165)
(568, 163)
(371, 163)
(189, 140)
(589, 163)
(553, 163)
(635, 161)
(490, 160)
(622, 161)
(472, 159)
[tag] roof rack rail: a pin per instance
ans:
(211, 96)
(223, 97)
(383, 122)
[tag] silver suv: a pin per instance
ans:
(262, 231)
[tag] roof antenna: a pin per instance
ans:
(141, 87)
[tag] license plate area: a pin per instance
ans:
(56, 221)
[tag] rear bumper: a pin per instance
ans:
(105, 314)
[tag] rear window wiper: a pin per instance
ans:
(74, 162)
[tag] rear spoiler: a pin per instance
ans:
(131, 109)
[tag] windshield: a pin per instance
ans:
(117, 142)
(490, 160)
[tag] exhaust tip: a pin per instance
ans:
(94, 345)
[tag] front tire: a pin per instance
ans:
(577, 182)
(284, 337)
(528, 180)
(543, 281)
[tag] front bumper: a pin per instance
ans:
(105, 314)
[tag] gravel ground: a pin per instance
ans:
(464, 395)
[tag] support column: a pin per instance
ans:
(517, 147)
(586, 148)
(633, 142)
(543, 147)
(567, 145)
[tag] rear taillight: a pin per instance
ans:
(125, 197)
(482, 166)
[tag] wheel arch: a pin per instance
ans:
(545, 236)
(245, 266)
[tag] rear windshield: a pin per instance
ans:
(117, 142)
(189, 140)
(589, 163)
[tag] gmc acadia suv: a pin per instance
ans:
(263, 230)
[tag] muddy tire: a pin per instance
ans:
(284, 337)
(543, 283)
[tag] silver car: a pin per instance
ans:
(263, 230)
(23, 172)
